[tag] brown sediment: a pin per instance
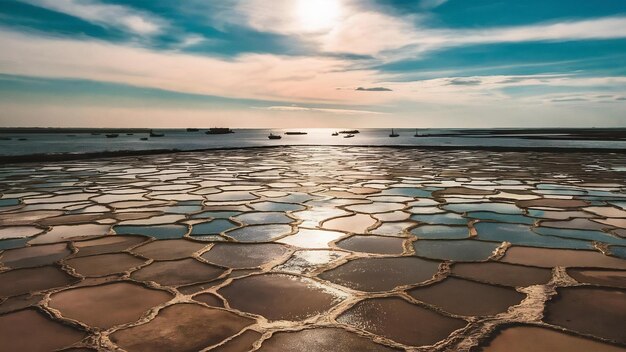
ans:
(105, 306)
(21, 281)
(321, 339)
(239, 343)
(244, 255)
(104, 264)
(615, 278)
(409, 324)
(373, 244)
(28, 257)
(108, 244)
(503, 274)
(357, 223)
(469, 298)
(549, 258)
(534, 338)
(280, 296)
(181, 327)
(169, 249)
(29, 330)
(551, 203)
(209, 299)
(589, 310)
(178, 272)
(382, 274)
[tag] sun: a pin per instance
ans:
(317, 15)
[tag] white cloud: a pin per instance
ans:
(252, 76)
(106, 15)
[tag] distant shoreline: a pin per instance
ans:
(32, 158)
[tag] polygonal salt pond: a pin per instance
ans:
(230, 196)
(599, 277)
(104, 264)
(156, 231)
(456, 250)
(324, 339)
(589, 310)
(181, 327)
(258, 218)
(523, 235)
(548, 258)
(239, 256)
(275, 206)
(259, 233)
(409, 324)
(20, 281)
(443, 219)
(105, 306)
(440, 232)
(33, 256)
(377, 207)
(508, 218)
(178, 272)
(373, 244)
(107, 244)
(533, 338)
(213, 227)
(307, 238)
(19, 232)
(381, 274)
(29, 330)
(62, 233)
(357, 223)
(502, 208)
(280, 296)
(476, 298)
(305, 261)
(503, 274)
(169, 249)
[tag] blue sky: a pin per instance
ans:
(313, 63)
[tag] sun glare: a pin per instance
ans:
(317, 15)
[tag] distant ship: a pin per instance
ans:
(348, 136)
(144, 138)
(417, 134)
(349, 132)
(192, 130)
(219, 130)
(335, 134)
(274, 136)
(295, 133)
(112, 135)
(155, 134)
(393, 134)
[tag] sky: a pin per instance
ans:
(313, 63)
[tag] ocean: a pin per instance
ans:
(20, 144)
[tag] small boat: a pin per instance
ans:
(417, 134)
(144, 138)
(155, 134)
(274, 136)
(112, 135)
(22, 139)
(393, 134)
(335, 134)
(349, 132)
(348, 136)
(295, 133)
(219, 130)
(129, 134)
(192, 130)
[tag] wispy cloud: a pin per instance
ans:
(107, 15)
(324, 110)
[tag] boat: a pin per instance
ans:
(417, 134)
(144, 138)
(129, 134)
(155, 134)
(219, 130)
(192, 130)
(295, 133)
(335, 134)
(349, 132)
(274, 136)
(393, 134)
(112, 135)
(348, 136)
